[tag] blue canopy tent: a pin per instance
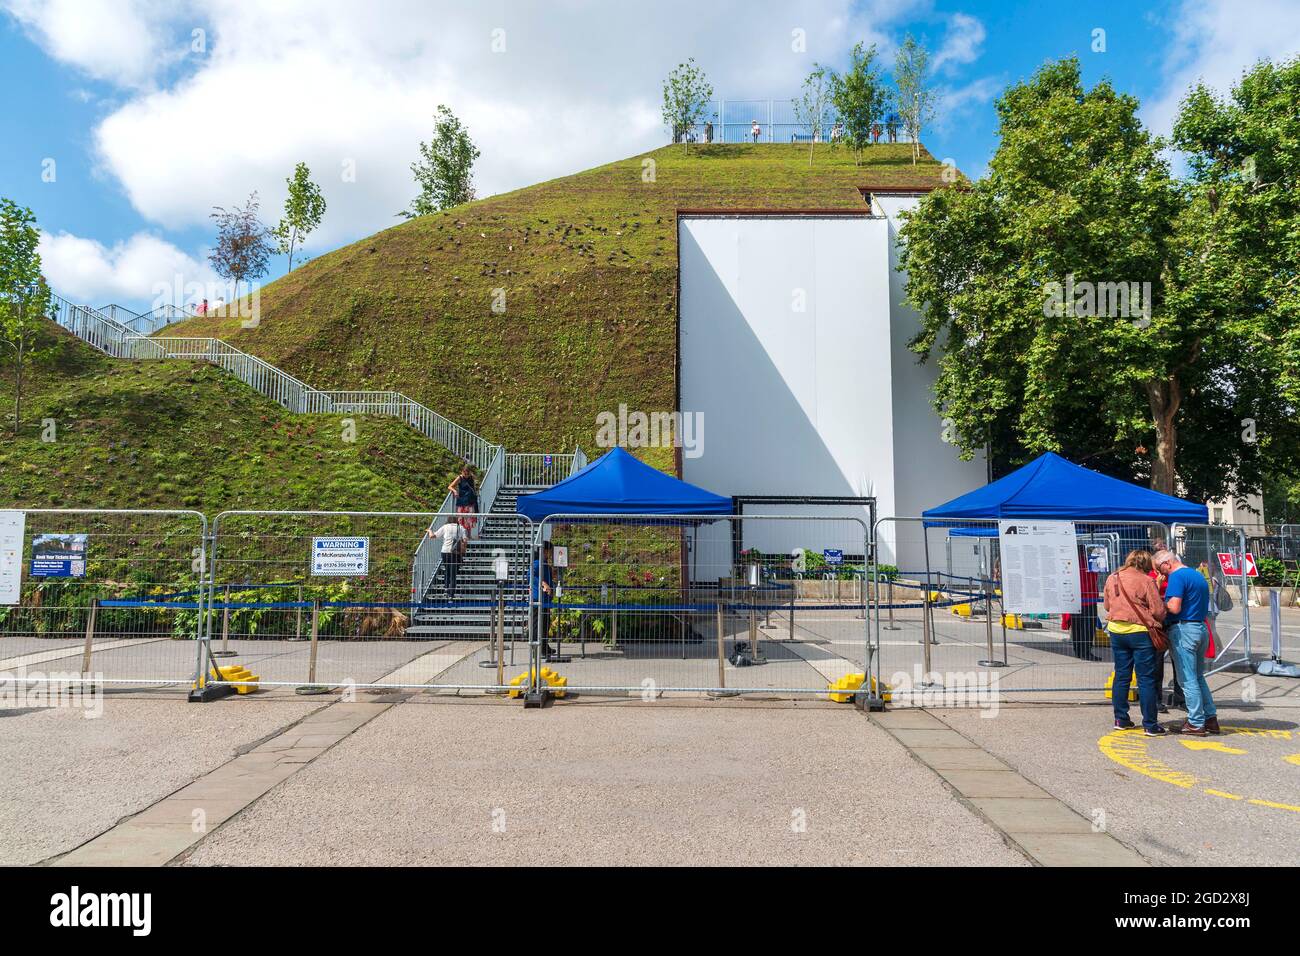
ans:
(1052, 487)
(617, 484)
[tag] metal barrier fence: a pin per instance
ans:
(1199, 546)
(940, 624)
(321, 601)
(644, 605)
(101, 596)
(537, 470)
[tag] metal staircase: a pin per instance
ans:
(472, 613)
(117, 332)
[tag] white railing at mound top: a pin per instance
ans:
(115, 339)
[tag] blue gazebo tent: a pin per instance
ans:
(617, 484)
(1052, 487)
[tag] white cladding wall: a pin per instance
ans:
(793, 348)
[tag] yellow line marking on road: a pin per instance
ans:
(1129, 749)
(1223, 793)
(1276, 806)
(1211, 745)
(1294, 758)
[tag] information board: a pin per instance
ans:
(1040, 567)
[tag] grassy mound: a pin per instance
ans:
(174, 434)
(587, 266)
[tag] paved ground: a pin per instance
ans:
(1232, 800)
(67, 778)
(618, 782)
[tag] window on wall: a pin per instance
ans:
(1218, 516)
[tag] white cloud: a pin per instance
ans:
(962, 44)
(94, 274)
(121, 41)
(1215, 41)
(331, 81)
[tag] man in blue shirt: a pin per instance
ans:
(1187, 596)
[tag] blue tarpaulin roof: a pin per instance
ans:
(1052, 487)
(618, 484)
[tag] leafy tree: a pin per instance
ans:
(860, 98)
(687, 95)
(24, 295)
(1239, 268)
(811, 106)
(303, 209)
(917, 100)
(243, 246)
(1078, 194)
(444, 171)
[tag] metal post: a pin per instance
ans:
(889, 599)
(988, 627)
(90, 636)
(722, 640)
(297, 627)
(792, 597)
(315, 621)
(501, 636)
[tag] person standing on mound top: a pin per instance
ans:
(466, 497)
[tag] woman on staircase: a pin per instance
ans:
(466, 498)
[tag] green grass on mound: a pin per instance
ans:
(156, 434)
(589, 268)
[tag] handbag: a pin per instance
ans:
(1159, 639)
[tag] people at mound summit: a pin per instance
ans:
(755, 130)
(1187, 597)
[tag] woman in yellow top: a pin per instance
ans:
(1132, 605)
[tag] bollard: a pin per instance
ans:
(315, 621)
(90, 636)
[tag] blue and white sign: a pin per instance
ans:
(58, 556)
(546, 461)
(340, 557)
(833, 555)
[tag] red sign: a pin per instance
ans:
(1228, 562)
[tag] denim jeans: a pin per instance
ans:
(1133, 653)
(1188, 640)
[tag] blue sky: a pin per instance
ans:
(148, 134)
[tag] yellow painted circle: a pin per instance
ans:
(1130, 748)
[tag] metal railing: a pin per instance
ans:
(732, 121)
(428, 553)
(145, 323)
(534, 470)
(115, 339)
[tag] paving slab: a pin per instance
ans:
(993, 783)
(932, 738)
(1016, 815)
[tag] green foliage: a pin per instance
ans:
(589, 263)
(917, 98)
(444, 172)
(811, 107)
(860, 98)
(303, 209)
(1079, 192)
(1272, 572)
(687, 94)
(24, 295)
(174, 434)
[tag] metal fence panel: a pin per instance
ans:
(1199, 546)
(940, 624)
(648, 605)
(289, 602)
(105, 597)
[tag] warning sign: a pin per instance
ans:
(1228, 562)
(340, 557)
